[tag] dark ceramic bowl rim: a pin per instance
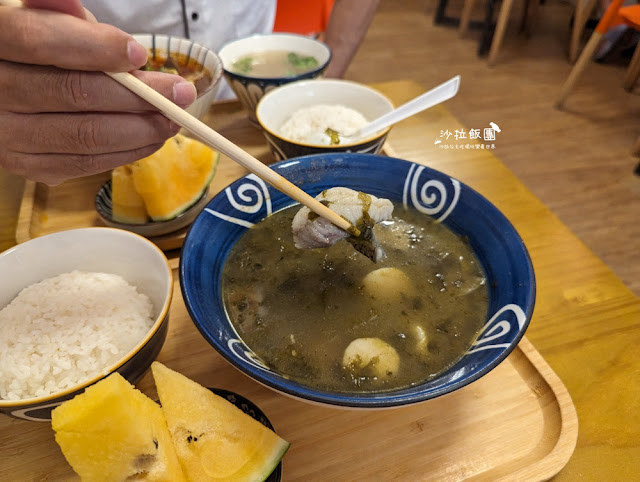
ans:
(387, 399)
(276, 80)
(160, 319)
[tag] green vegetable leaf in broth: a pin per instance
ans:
(300, 62)
(244, 65)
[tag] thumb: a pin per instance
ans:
(70, 7)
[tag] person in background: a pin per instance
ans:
(62, 118)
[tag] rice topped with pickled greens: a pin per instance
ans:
(309, 125)
(65, 330)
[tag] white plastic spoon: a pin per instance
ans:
(435, 96)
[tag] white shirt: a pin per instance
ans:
(211, 23)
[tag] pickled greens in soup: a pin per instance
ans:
(331, 319)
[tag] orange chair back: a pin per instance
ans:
(308, 17)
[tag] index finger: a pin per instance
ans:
(43, 37)
(35, 88)
(71, 7)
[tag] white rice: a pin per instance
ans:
(308, 125)
(67, 329)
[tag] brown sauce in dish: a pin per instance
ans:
(187, 68)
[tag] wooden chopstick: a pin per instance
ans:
(210, 137)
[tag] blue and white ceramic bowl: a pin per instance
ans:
(497, 245)
(251, 89)
(280, 104)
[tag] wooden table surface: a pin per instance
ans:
(586, 323)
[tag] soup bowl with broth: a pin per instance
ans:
(257, 64)
(447, 303)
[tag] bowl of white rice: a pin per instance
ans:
(75, 306)
(318, 116)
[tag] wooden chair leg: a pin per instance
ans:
(581, 64)
(580, 17)
(487, 28)
(636, 152)
(465, 17)
(438, 17)
(533, 9)
(609, 16)
(633, 71)
(529, 16)
(501, 27)
(636, 148)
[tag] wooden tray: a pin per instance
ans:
(518, 423)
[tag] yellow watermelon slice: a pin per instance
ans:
(169, 181)
(127, 205)
(114, 432)
(213, 439)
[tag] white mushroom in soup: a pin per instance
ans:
(387, 284)
(371, 357)
(422, 340)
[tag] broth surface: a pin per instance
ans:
(299, 310)
(274, 63)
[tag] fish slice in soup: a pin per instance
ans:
(360, 209)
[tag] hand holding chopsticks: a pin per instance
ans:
(60, 116)
(165, 106)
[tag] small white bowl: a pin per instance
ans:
(251, 89)
(278, 105)
(103, 250)
(159, 45)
